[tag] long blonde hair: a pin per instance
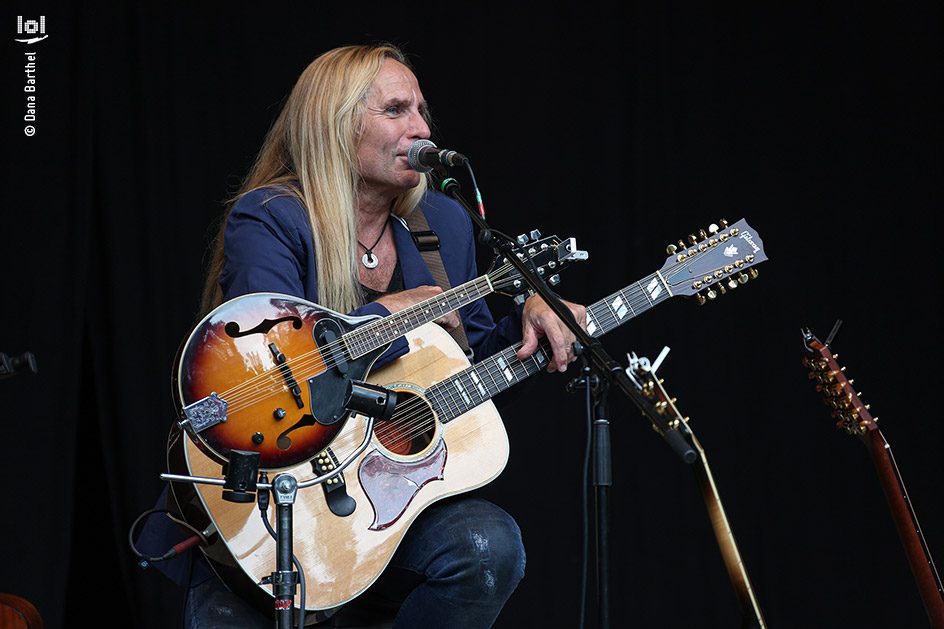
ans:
(311, 152)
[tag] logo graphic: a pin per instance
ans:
(746, 235)
(730, 251)
(31, 27)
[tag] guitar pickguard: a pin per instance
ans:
(391, 485)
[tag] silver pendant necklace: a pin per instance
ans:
(369, 259)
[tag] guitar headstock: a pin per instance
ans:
(547, 256)
(851, 414)
(717, 260)
(643, 375)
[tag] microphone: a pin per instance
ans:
(423, 156)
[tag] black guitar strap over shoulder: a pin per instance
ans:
(428, 244)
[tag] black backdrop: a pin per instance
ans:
(627, 127)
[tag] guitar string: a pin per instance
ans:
(305, 361)
(414, 417)
(453, 402)
(311, 363)
(276, 384)
(359, 335)
(605, 319)
(411, 426)
(519, 369)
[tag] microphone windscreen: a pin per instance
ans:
(413, 155)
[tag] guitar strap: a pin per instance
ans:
(428, 244)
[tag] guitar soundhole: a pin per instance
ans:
(412, 427)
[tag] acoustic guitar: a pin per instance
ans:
(445, 437)
(18, 613)
(662, 404)
(855, 418)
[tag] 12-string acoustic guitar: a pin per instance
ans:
(445, 437)
(854, 417)
(268, 374)
(659, 402)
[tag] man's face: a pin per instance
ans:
(393, 120)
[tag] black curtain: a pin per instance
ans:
(627, 127)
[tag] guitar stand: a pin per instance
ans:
(601, 464)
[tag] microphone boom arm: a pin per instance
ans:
(585, 345)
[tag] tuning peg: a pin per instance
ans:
(700, 299)
(732, 283)
(703, 234)
(724, 223)
(554, 280)
(711, 293)
(713, 229)
(535, 234)
(692, 239)
(753, 273)
(671, 249)
(522, 239)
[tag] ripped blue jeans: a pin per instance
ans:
(456, 567)
(463, 557)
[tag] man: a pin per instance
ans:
(320, 217)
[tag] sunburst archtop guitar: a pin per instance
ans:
(661, 404)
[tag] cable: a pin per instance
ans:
(144, 560)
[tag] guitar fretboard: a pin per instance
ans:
(610, 313)
(474, 385)
(376, 334)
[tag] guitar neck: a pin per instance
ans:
(854, 417)
(379, 333)
(916, 548)
(467, 389)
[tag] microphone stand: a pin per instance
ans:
(601, 372)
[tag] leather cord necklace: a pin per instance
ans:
(369, 259)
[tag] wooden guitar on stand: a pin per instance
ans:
(643, 374)
(853, 416)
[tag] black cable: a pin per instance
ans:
(145, 560)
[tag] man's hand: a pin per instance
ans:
(539, 320)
